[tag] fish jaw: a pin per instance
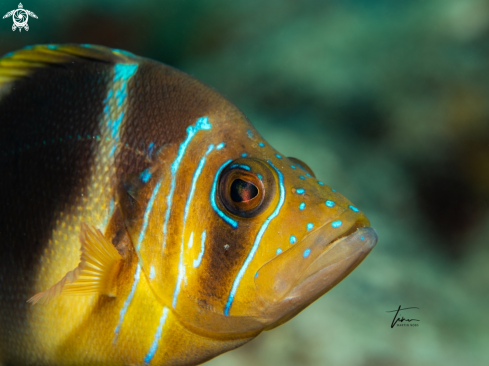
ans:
(292, 281)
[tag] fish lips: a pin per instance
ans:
(297, 277)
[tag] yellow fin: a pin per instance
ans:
(99, 265)
(21, 63)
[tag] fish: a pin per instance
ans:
(145, 221)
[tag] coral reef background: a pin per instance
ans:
(388, 102)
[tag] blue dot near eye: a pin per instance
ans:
(321, 183)
(306, 253)
(362, 238)
(336, 223)
(302, 206)
(334, 190)
(330, 203)
(300, 190)
(244, 155)
(259, 176)
(261, 144)
(278, 156)
(292, 239)
(353, 208)
(301, 177)
(310, 226)
(293, 167)
(279, 251)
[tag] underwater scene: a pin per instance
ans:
(386, 102)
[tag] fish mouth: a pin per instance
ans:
(306, 271)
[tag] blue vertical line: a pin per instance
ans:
(254, 248)
(202, 249)
(154, 346)
(181, 267)
(128, 301)
(229, 220)
(142, 233)
(201, 124)
(116, 98)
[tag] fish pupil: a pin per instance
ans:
(242, 191)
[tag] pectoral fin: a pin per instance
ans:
(96, 273)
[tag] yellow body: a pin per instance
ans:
(217, 236)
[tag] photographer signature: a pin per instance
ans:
(401, 319)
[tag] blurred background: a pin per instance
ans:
(388, 102)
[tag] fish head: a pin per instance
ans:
(261, 237)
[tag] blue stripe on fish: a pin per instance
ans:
(142, 233)
(181, 267)
(154, 346)
(128, 301)
(201, 124)
(229, 220)
(262, 230)
(202, 249)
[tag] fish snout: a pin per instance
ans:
(306, 271)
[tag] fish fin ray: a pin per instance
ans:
(19, 64)
(95, 274)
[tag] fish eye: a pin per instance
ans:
(302, 165)
(246, 187)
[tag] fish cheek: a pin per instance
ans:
(225, 253)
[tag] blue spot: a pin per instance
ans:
(334, 190)
(261, 144)
(278, 156)
(362, 238)
(293, 167)
(156, 340)
(250, 134)
(330, 203)
(243, 155)
(150, 148)
(152, 273)
(229, 220)
(256, 274)
(306, 253)
(300, 190)
(293, 239)
(260, 177)
(336, 224)
(321, 183)
(301, 177)
(52, 46)
(279, 251)
(145, 175)
(8, 54)
(353, 208)
(242, 166)
(302, 206)
(254, 248)
(310, 226)
(309, 175)
(220, 146)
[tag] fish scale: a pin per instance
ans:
(145, 220)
